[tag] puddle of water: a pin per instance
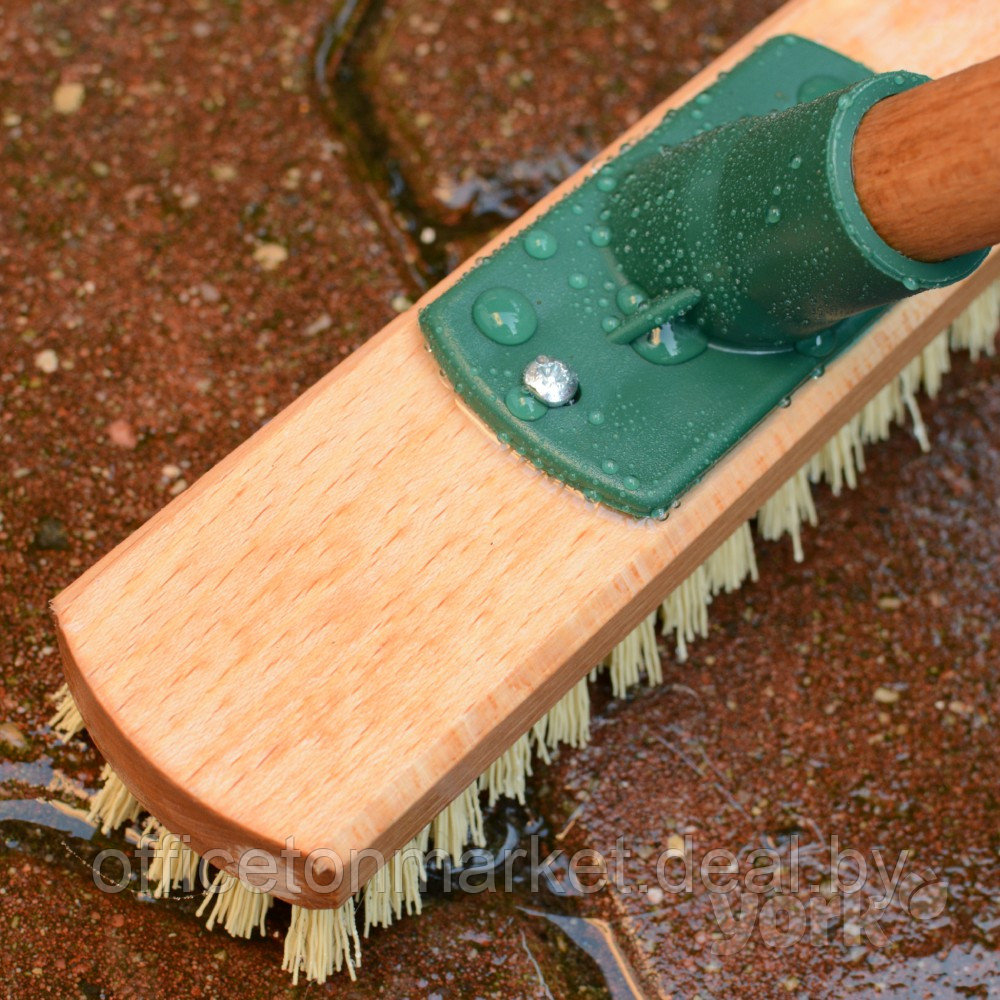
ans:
(53, 815)
(597, 939)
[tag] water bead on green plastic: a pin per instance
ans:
(505, 316)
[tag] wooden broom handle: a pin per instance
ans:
(927, 165)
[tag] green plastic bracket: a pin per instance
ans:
(690, 285)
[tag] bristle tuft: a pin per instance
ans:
(787, 510)
(840, 460)
(508, 774)
(685, 610)
(733, 562)
(635, 655)
(395, 887)
(239, 907)
(975, 330)
(174, 864)
(66, 721)
(113, 804)
(321, 942)
(568, 721)
(459, 824)
(935, 363)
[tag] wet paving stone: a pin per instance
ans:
(188, 242)
(484, 106)
(853, 696)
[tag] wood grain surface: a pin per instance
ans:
(334, 631)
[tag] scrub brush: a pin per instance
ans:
(349, 612)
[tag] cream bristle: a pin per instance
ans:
(239, 907)
(975, 329)
(636, 654)
(878, 414)
(113, 804)
(685, 611)
(935, 363)
(568, 721)
(66, 721)
(909, 383)
(174, 864)
(458, 824)
(321, 942)
(840, 460)
(732, 562)
(540, 728)
(787, 510)
(507, 775)
(395, 887)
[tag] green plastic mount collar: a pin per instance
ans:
(914, 275)
(686, 288)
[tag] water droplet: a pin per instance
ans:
(523, 405)
(795, 162)
(773, 215)
(540, 244)
(609, 323)
(630, 483)
(818, 345)
(595, 417)
(658, 514)
(911, 283)
(505, 316)
(578, 280)
(786, 402)
(629, 298)
(600, 236)
(671, 345)
(609, 466)
(606, 180)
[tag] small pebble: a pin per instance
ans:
(270, 256)
(47, 361)
(170, 471)
(886, 696)
(67, 98)
(401, 303)
(223, 172)
(319, 325)
(51, 535)
(120, 433)
(655, 896)
(12, 736)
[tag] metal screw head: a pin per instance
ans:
(550, 380)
